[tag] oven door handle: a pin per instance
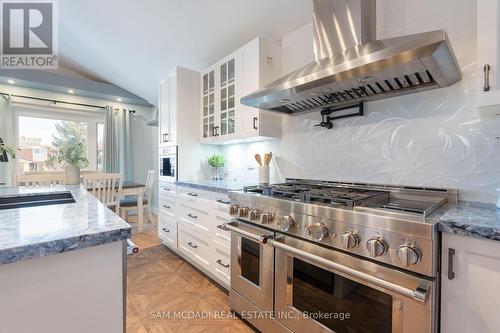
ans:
(420, 294)
(263, 239)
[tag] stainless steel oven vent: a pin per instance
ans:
(352, 67)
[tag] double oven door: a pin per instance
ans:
(320, 290)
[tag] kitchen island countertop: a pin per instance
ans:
(31, 232)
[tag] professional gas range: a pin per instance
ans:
(305, 247)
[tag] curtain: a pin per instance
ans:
(117, 150)
(6, 134)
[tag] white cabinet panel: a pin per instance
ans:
(488, 53)
(471, 299)
(196, 246)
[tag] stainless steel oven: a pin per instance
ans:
(252, 264)
(319, 290)
(168, 164)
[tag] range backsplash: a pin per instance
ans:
(435, 138)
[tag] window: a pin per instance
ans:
(42, 133)
(100, 147)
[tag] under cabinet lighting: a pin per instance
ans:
(119, 99)
(71, 91)
(11, 81)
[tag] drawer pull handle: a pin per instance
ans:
(222, 227)
(486, 77)
(223, 265)
(192, 245)
(166, 189)
(165, 229)
(192, 216)
(223, 202)
(451, 274)
(165, 206)
(193, 194)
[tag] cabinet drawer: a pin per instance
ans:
(221, 202)
(194, 196)
(221, 235)
(168, 189)
(221, 262)
(167, 206)
(198, 219)
(195, 246)
(167, 232)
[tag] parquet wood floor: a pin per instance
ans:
(161, 284)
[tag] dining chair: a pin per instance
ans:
(106, 187)
(129, 204)
(40, 179)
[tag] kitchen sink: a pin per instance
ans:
(32, 200)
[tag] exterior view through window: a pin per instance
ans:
(40, 138)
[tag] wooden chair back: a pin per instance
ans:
(148, 189)
(40, 179)
(106, 187)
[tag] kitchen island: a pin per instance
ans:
(63, 265)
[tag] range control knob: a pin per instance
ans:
(233, 209)
(285, 222)
(409, 254)
(266, 218)
(255, 214)
(317, 231)
(377, 246)
(243, 212)
(350, 240)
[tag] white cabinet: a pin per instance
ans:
(175, 103)
(470, 299)
(191, 224)
(488, 53)
(224, 118)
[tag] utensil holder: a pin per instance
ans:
(264, 175)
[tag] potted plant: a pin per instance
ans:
(6, 151)
(216, 163)
(73, 157)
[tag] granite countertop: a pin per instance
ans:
(31, 232)
(222, 186)
(474, 219)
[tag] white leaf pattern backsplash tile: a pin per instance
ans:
(434, 138)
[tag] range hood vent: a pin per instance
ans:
(351, 67)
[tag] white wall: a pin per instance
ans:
(435, 138)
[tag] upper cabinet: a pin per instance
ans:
(488, 55)
(177, 107)
(223, 119)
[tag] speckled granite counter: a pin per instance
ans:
(45, 230)
(222, 186)
(474, 219)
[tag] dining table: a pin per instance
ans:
(137, 189)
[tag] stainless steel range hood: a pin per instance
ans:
(352, 67)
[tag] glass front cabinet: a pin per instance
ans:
(224, 119)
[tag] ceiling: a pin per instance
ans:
(134, 44)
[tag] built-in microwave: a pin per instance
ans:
(168, 164)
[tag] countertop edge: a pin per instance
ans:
(49, 248)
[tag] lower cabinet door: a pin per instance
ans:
(195, 246)
(167, 232)
(221, 262)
